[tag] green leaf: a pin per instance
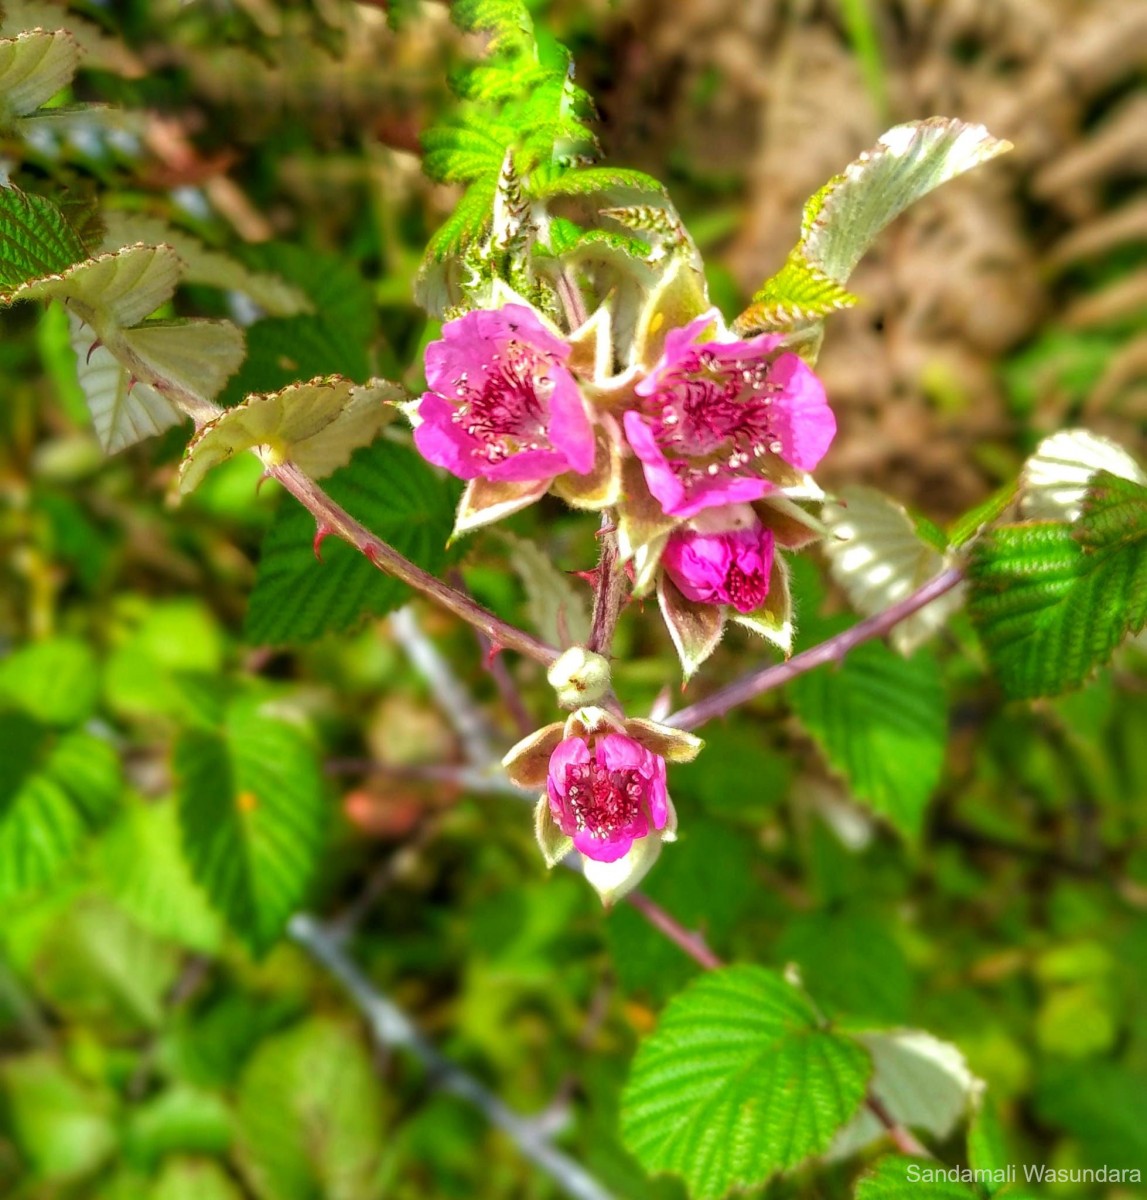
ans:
(1056, 477)
(54, 791)
(64, 1128)
(55, 682)
(898, 1178)
(179, 1120)
(739, 1081)
(309, 1119)
(194, 1179)
(34, 66)
(556, 604)
(147, 875)
(1052, 603)
(35, 238)
(252, 811)
(797, 293)
(589, 181)
(881, 721)
(316, 425)
(399, 498)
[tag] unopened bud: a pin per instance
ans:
(579, 677)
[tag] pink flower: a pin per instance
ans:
(502, 404)
(713, 415)
(606, 794)
(725, 567)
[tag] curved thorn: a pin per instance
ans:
(322, 532)
(92, 349)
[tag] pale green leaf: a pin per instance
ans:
(110, 290)
(64, 1128)
(316, 425)
(123, 413)
(252, 810)
(396, 495)
(98, 49)
(273, 294)
(194, 1179)
(309, 1119)
(878, 558)
(843, 219)
(922, 1082)
(738, 1082)
(881, 722)
(34, 66)
(196, 354)
(54, 792)
(35, 239)
(1056, 477)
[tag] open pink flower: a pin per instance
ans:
(726, 567)
(502, 404)
(713, 415)
(607, 793)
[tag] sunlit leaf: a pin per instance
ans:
(316, 425)
(54, 681)
(739, 1081)
(878, 557)
(897, 1178)
(1056, 477)
(557, 603)
(34, 66)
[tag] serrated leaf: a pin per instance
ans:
(316, 425)
(54, 792)
(796, 294)
(35, 238)
(922, 1082)
(1056, 477)
(843, 219)
(252, 813)
(196, 354)
(507, 22)
(55, 681)
(98, 49)
(588, 181)
(34, 66)
(274, 295)
(881, 722)
(738, 1081)
(878, 558)
(309, 1117)
(110, 291)
(1050, 602)
(898, 1178)
(396, 495)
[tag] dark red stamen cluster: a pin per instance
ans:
(604, 801)
(506, 414)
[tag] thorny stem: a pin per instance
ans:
(832, 650)
(610, 592)
(333, 519)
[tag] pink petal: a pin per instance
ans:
(570, 429)
(804, 423)
(602, 849)
(443, 442)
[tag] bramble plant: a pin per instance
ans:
(580, 362)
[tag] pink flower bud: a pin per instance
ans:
(605, 792)
(726, 567)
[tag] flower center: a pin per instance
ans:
(716, 412)
(746, 589)
(604, 801)
(508, 412)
